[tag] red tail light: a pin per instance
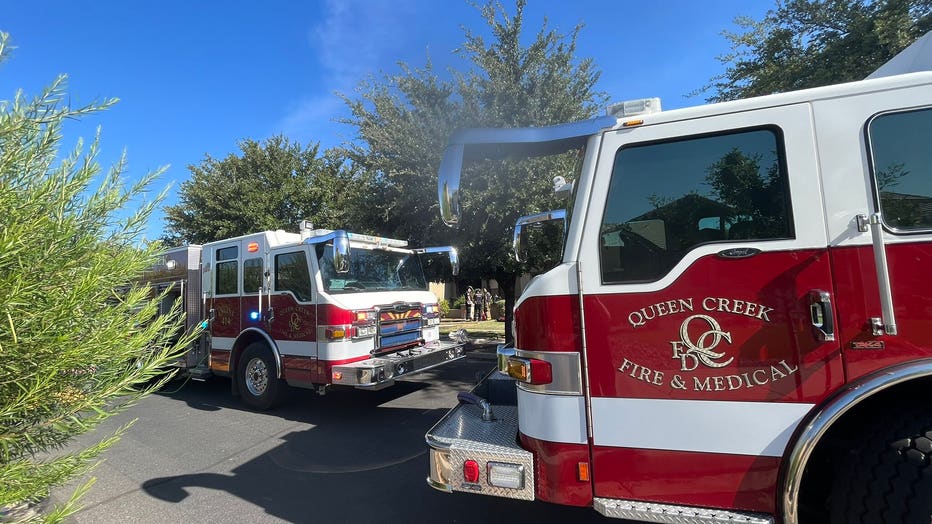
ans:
(471, 471)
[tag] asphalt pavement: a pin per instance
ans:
(197, 454)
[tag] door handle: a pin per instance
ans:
(821, 315)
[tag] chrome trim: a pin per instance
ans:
(546, 216)
(820, 421)
(822, 315)
(584, 352)
(883, 274)
(502, 353)
(448, 184)
(322, 333)
(449, 250)
(385, 369)
(272, 345)
(341, 248)
(441, 470)
(566, 369)
(439, 486)
(671, 514)
(341, 252)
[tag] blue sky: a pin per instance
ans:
(194, 78)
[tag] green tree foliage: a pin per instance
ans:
(271, 185)
(405, 119)
(403, 124)
(78, 338)
(810, 43)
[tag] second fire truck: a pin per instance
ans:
(314, 309)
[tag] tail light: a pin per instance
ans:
(471, 471)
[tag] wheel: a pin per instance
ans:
(886, 476)
(258, 385)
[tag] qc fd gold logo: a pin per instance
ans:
(701, 350)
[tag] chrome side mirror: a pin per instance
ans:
(546, 216)
(448, 185)
(449, 250)
(341, 251)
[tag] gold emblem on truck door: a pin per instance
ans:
(693, 352)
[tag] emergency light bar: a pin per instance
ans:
(381, 241)
(324, 235)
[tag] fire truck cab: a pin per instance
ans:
(741, 326)
(313, 309)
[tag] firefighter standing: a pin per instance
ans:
(470, 304)
(487, 299)
(480, 304)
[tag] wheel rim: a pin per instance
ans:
(257, 377)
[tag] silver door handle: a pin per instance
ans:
(821, 315)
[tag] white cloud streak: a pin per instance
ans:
(354, 39)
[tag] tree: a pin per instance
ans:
(403, 124)
(78, 339)
(810, 43)
(272, 185)
(405, 121)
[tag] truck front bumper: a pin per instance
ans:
(470, 454)
(381, 371)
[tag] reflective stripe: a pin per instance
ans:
(297, 348)
(739, 428)
(552, 418)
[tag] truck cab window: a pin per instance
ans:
(291, 274)
(667, 197)
(252, 275)
(902, 168)
(227, 270)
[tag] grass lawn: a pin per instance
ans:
(483, 329)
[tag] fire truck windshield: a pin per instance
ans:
(372, 270)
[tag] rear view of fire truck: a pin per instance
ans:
(741, 326)
(314, 309)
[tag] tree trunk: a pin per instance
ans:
(508, 282)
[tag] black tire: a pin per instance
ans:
(887, 476)
(256, 381)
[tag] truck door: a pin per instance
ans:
(225, 302)
(707, 302)
(293, 320)
(877, 158)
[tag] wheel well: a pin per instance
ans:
(245, 339)
(834, 446)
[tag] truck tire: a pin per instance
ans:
(258, 386)
(886, 476)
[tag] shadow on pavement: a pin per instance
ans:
(363, 459)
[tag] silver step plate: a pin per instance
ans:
(670, 514)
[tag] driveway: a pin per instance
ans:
(196, 454)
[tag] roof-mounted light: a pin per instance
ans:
(379, 241)
(641, 106)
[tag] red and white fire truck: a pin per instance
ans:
(311, 309)
(741, 326)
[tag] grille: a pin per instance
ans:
(399, 326)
